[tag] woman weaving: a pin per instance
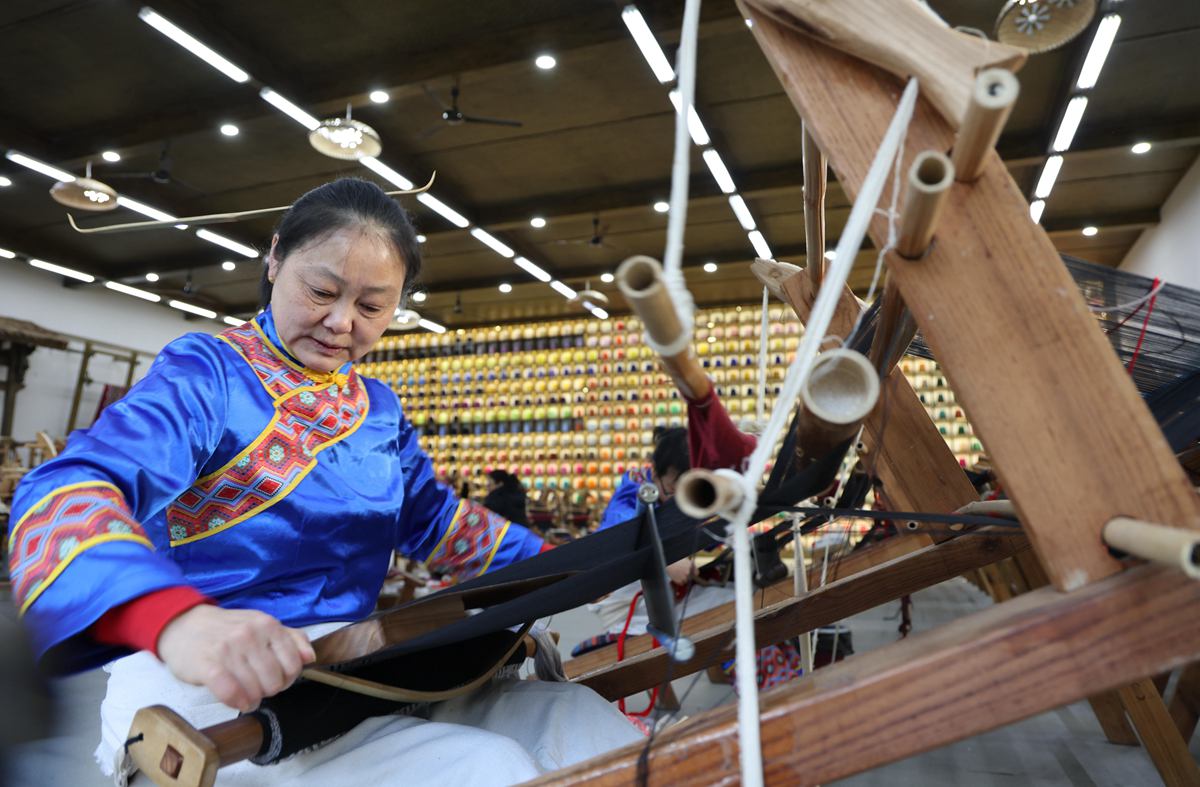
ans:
(248, 495)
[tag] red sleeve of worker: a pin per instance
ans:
(136, 624)
(713, 441)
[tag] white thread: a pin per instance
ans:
(1132, 304)
(681, 343)
(762, 359)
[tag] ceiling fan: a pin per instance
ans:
(453, 116)
(161, 174)
(595, 240)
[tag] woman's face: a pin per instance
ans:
(334, 298)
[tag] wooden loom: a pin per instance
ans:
(1015, 338)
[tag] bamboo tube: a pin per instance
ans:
(1171, 546)
(814, 207)
(1003, 508)
(704, 493)
(840, 393)
(640, 280)
(929, 180)
(992, 100)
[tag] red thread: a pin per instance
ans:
(1145, 324)
(621, 656)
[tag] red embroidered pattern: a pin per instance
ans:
(64, 524)
(470, 542)
(307, 419)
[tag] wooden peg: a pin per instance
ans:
(1170, 546)
(992, 100)
(929, 181)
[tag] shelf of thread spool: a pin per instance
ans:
(568, 405)
(930, 384)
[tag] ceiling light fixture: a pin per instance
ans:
(492, 243)
(537, 222)
(421, 239)
(1049, 175)
(4, 182)
(646, 42)
(443, 210)
(111, 156)
(742, 212)
(378, 96)
(760, 245)
(695, 127)
(831, 255)
(288, 108)
(661, 207)
(1070, 123)
(385, 172)
(505, 287)
(230, 130)
(607, 278)
(1036, 208)
(134, 291)
(190, 309)
(39, 166)
(1140, 148)
(346, 138)
(1042, 25)
(1106, 33)
(85, 193)
(191, 44)
(234, 321)
(151, 277)
(710, 267)
(720, 174)
(419, 296)
(227, 243)
(598, 313)
(228, 265)
(61, 271)
(144, 209)
(8, 255)
(532, 269)
(545, 62)
(1089, 232)
(563, 290)
(430, 325)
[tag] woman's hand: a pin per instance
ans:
(682, 571)
(241, 656)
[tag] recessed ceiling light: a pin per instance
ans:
(545, 62)
(710, 267)
(749, 23)
(505, 287)
(661, 207)
(111, 156)
(421, 239)
(1140, 148)
(419, 296)
(607, 278)
(1090, 231)
(5, 182)
(230, 130)
(228, 265)
(151, 277)
(378, 96)
(537, 222)
(831, 254)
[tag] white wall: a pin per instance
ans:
(1171, 251)
(90, 312)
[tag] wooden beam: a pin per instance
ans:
(821, 607)
(1008, 325)
(997, 666)
(1159, 735)
(1185, 705)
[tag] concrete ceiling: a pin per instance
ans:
(595, 145)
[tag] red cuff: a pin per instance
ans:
(136, 624)
(713, 441)
(546, 547)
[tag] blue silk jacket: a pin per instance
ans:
(261, 483)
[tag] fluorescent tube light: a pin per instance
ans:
(1049, 174)
(232, 245)
(134, 291)
(1035, 210)
(144, 209)
(430, 325)
(742, 212)
(646, 42)
(288, 108)
(695, 127)
(492, 243)
(185, 40)
(234, 321)
(386, 172)
(719, 173)
(563, 289)
(760, 245)
(443, 210)
(39, 166)
(1070, 123)
(532, 269)
(1140, 148)
(599, 313)
(8, 255)
(190, 309)
(1106, 33)
(61, 271)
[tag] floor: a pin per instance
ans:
(1062, 747)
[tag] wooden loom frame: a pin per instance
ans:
(1015, 339)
